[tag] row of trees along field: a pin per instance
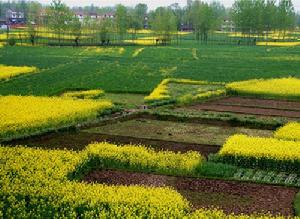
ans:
(248, 16)
(263, 16)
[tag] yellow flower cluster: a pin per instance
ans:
(290, 131)
(34, 184)
(139, 157)
(137, 52)
(279, 44)
(93, 50)
(276, 35)
(144, 41)
(144, 31)
(257, 147)
(88, 94)
(210, 94)
(161, 92)
(282, 87)
(7, 72)
(25, 115)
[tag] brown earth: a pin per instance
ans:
(260, 107)
(230, 196)
(79, 140)
(259, 103)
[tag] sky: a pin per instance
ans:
(152, 4)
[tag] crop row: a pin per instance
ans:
(86, 94)
(139, 158)
(267, 153)
(286, 88)
(7, 72)
(22, 116)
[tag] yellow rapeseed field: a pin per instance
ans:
(88, 94)
(279, 44)
(34, 183)
(282, 87)
(7, 72)
(290, 131)
(257, 147)
(142, 158)
(144, 41)
(160, 92)
(23, 115)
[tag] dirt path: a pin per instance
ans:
(232, 197)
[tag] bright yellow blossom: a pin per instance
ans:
(88, 94)
(282, 87)
(257, 147)
(290, 131)
(25, 115)
(7, 72)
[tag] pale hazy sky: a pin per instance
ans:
(151, 3)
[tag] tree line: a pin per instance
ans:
(248, 17)
(263, 16)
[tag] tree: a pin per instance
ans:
(286, 16)
(121, 20)
(269, 17)
(258, 16)
(140, 12)
(242, 15)
(105, 27)
(75, 28)
(202, 18)
(59, 17)
(179, 14)
(298, 19)
(163, 22)
(34, 11)
(32, 33)
(219, 14)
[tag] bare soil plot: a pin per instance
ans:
(160, 135)
(259, 107)
(232, 197)
(260, 103)
(196, 133)
(79, 140)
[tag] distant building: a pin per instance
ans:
(146, 21)
(186, 27)
(15, 17)
(228, 26)
(93, 16)
(80, 16)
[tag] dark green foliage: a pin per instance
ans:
(11, 41)
(233, 119)
(297, 204)
(262, 163)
